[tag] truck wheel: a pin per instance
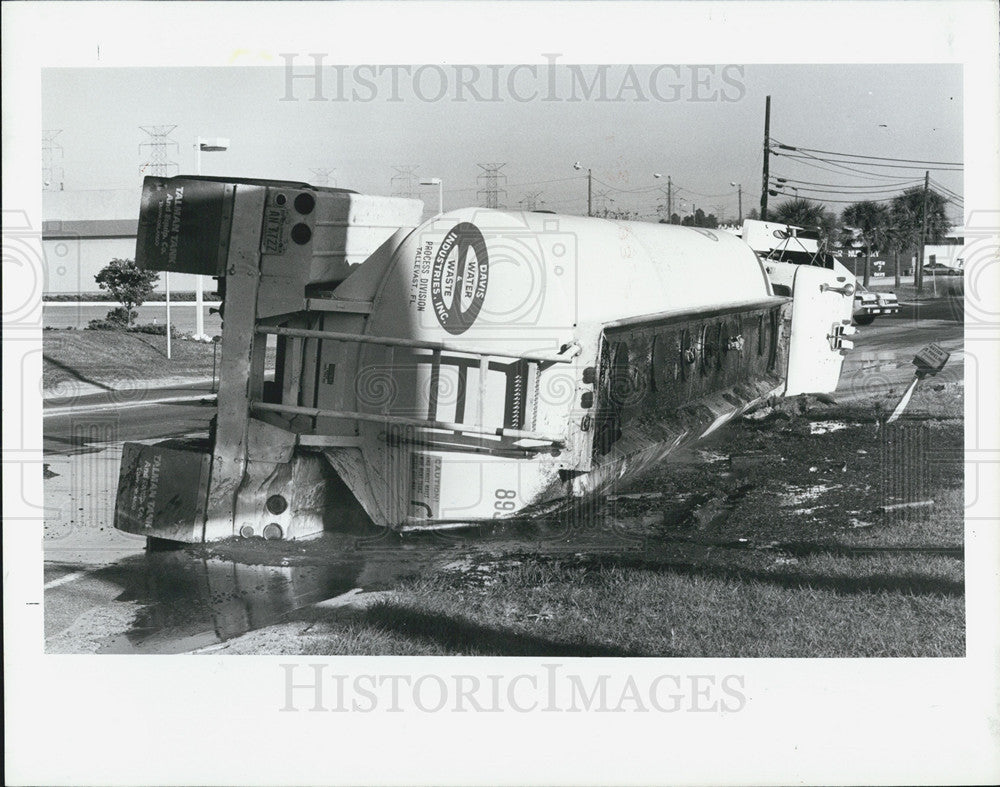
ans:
(864, 319)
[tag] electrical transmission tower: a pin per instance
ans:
(531, 201)
(601, 200)
(663, 208)
(52, 153)
(404, 181)
(321, 175)
(491, 183)
(155, 151)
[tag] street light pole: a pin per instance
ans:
(590, 190)
(765, 180)
(670, 196)
(166, 280)
(440, 184)
(199, 295)
(201, 144)
(739, 191)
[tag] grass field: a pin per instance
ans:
(115, 359)
(716, 555)
(934, 287)
(111, 360)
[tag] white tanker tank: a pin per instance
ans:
(482, 365)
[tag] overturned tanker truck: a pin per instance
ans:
(482, 364)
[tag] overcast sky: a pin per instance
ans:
(703, 127)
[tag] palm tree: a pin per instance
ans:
(800, 212)
(871, 219)
(908, 220)
(805, 213)
(899, 234)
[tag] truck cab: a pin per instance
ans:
(780, 245)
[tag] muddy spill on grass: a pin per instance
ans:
(749, 502)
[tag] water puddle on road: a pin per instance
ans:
(190, 599)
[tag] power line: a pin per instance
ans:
(876, 187)
(525, 183)
(707, 196)
(858, 155)
(946, 190)
(867, 164)
(881, 176)
(846, 192)
(824, 199)
(641, 190)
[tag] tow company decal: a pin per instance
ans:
(460, 274)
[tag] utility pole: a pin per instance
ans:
(578, 166)
(767, 152)
(919, 277)
(739, 220)
(670, 199)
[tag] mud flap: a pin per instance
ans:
(822, 303)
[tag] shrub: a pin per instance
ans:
(155, 330)
(104, 325)
(115, 320)
(128, 283)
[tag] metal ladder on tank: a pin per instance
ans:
(534, 361)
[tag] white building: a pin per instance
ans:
(82, 231)
(950, 253)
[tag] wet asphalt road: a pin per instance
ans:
(104, 592)
(87, 423)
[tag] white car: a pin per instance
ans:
(868, 304)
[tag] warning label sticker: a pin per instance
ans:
(425, 485)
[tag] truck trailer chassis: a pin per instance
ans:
(481, 365)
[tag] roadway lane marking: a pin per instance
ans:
(78, 409)
(65, 579)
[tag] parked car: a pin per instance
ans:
(938, 269)
(868, 304)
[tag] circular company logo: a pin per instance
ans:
(459, 278)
